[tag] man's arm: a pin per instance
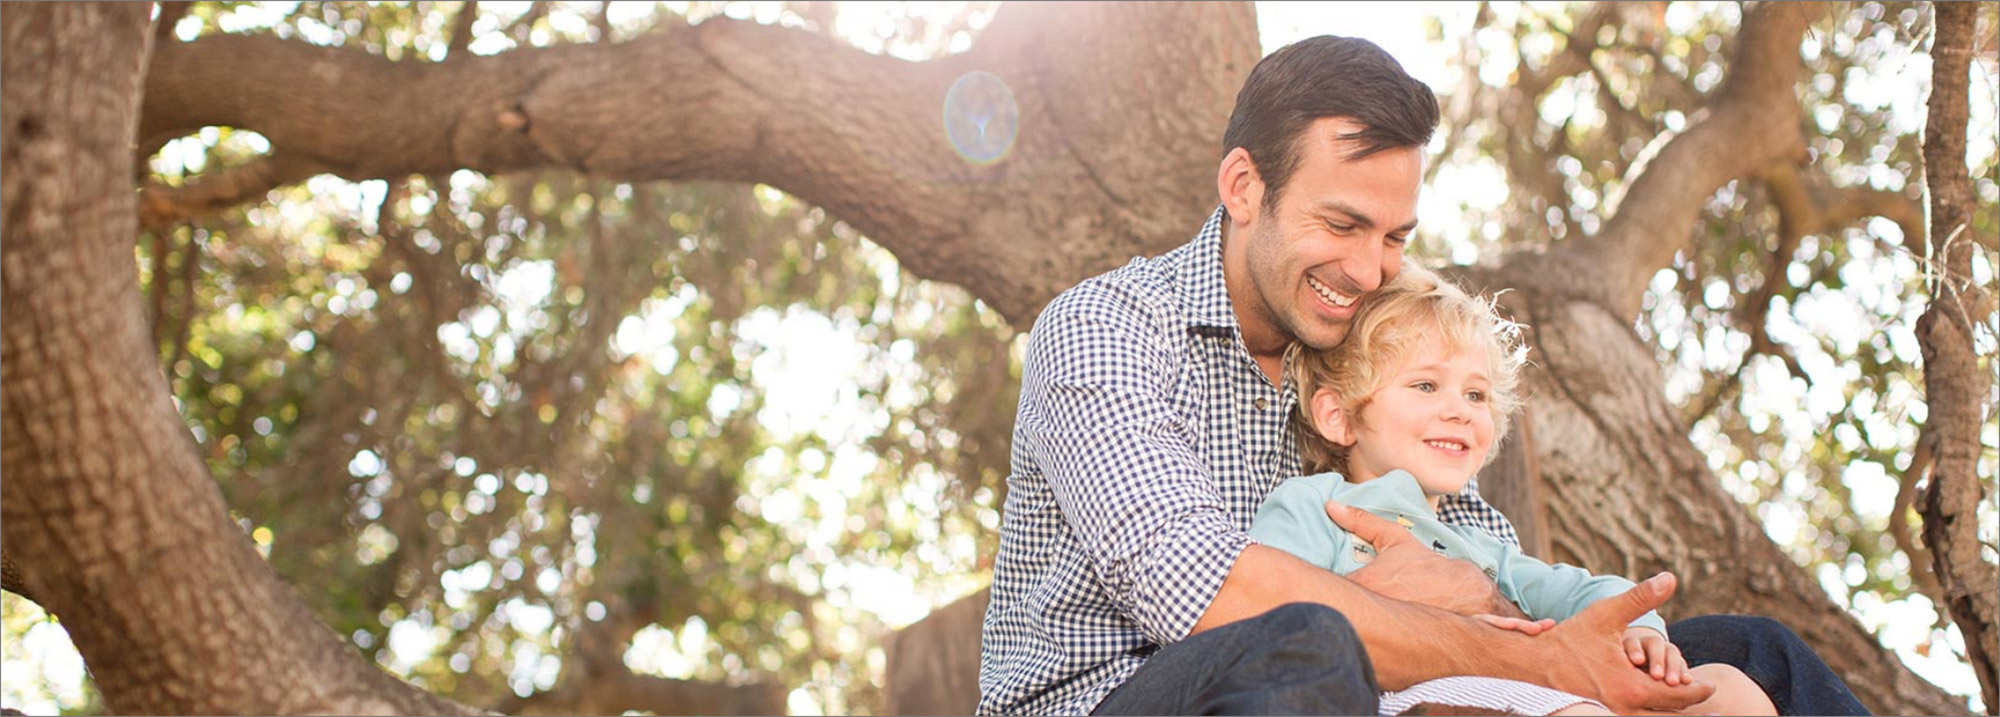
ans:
(1410, 643)
(1098, 418)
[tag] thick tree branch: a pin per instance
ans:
(855, 133)
(1753, 121)
(1956, 389)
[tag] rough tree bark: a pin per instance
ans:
(1956, 389)
(1623, 451)
(110, 514)
(1102, 123)
(1121, 107)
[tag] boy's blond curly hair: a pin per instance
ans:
(1392, 323)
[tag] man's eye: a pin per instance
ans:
(1398, 240)
(1340, 228)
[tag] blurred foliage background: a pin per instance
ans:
(510, 433)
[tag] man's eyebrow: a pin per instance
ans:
(1358, 217)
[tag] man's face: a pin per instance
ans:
(1334, 235)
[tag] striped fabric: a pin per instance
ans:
(1144, 442)
(1484, 694)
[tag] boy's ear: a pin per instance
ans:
(1330, 418)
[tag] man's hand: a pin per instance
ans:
(1593, 661)
(1405, 569)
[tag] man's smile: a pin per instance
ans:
(1335, 298)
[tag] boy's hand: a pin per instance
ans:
(1649, 650)
(1523, 626)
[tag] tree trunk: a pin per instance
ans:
(109, 513)
(119, 530)
(1956, 389)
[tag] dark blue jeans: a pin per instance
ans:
(1299, 659)
(1798, 682)
(1306, 659)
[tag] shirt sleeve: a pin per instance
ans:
(1097, 415)
(1293, 519)
(1559, 591)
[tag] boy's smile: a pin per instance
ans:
(1430, 417)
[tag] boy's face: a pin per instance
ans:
(1431, 417)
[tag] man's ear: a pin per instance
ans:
(1241, 187)
(1330, 417)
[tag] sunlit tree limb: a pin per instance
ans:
(861, 135)
(1957, 390)
(1751, 121)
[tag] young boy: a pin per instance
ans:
(1405, 411)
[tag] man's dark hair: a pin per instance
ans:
(1320, 77)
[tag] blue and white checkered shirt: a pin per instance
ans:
(1145, 440)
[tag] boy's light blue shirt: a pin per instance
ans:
(1293, 519)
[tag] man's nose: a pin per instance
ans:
(1367, 272)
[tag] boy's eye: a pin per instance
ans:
(1424, 386)
(1476, 396)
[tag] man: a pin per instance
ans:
(1152, 423)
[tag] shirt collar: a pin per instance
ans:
(1201, 279)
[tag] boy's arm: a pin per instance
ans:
(1555, 591)
(1409, 643)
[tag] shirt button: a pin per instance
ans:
(1261, 403)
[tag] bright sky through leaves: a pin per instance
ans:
(804, 354)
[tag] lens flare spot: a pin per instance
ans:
(980, 117)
